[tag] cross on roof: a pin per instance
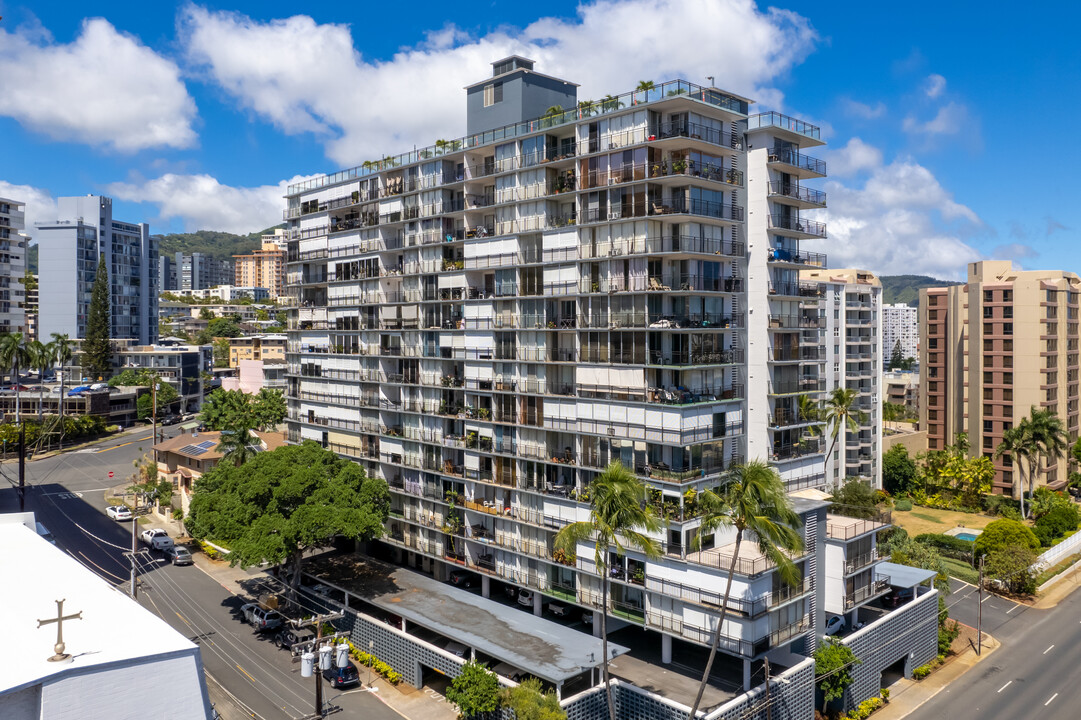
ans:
(60, 655)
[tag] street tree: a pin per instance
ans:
(285, 502)
(753, 502)
(474, 690)
(833, 669)
(97, 348)
(14, 356)
(619, 518)
(898, 470)
(528, 701)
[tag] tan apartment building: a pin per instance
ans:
(263, 268)
(991, 349)
(268, 348)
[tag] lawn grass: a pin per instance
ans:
(961, 570)
(933, 520)
(1054, 570)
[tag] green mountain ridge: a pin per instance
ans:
(905, 289)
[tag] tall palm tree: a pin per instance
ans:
(611, 102)
(62, 355)
(586, 108)
(14, 355)
(618, 517)
(40, 358)
(1049, 437)
(837, 411)
(753, 501)
(237, 445)
(1017, 443)
(644, 87)
(809, 410)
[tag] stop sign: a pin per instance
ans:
(110, 473)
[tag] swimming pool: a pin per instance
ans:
(971, 537)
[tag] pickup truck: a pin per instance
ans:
(156, 538)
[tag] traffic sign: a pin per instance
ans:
(110, 473)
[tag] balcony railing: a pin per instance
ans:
(798, 160)
(777, 120)
(798, 192)
(798, 257)
(798, 224)
(877, 586)
(858, 562)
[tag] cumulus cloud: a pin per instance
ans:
(950, 119)
(105, 88)
(200, 202)
(863, 110)
(40, 204)
(854, 157)
(1013, 251)
(935, 85)
(303, 76)
(901, 221)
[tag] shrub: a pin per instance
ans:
(1005, 533)
(474, 690)
(947, 633)
(369, 660)
(903, 504)
(209, 550)
(1060, 520)
(923, 671)
(865, 708)
(1013, 567)
(948, 545)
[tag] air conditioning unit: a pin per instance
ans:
(611, 180)
(615, 215)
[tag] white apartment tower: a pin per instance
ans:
(13, 244)
(851, 304)
(68, 252)
(487, 322)
(900, 324)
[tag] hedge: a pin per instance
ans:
(392, 676)
(947, 545)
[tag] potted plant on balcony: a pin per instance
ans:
(679, 166)
(471, 439)
(484, 413)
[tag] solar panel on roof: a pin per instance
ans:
(207, 444)
(193, 450)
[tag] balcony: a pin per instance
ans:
(796, 289)
(797, 257)
(797, 226)
(878, 586)
(859, 562)
(791, 451)
(840, 527)
(803, 197)
(776, 120)
(804, 165)
(750, 562)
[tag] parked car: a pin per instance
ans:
(462, 578)
(834, 625)
(119, 512)
(97, 387)
(525, 598)
(456, 648)
(342, 676)
(261, 618)
(156, 538)
(170, 420)
(179, 555)
(294, 639)
(558, 609)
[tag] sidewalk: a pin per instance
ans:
(907, 696)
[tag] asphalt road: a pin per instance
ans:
(67, 495)
(1036, 672)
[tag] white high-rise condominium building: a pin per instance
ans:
(68, 252)
(486, 323)
(900, 324)
(12, 265)
(851, 303)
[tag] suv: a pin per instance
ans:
(119, 512)
(156, 538)
(342, 676)
(462, 578)
(525, 598)
(289, 638)
(263, 619)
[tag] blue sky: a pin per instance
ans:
(939, 118)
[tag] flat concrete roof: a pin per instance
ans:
(903, 576)
(532, 644)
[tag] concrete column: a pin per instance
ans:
(596, 623)
(666, 649)
(538, 608)
(746, 675)
(485, 586)
(403, 625)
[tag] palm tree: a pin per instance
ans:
(644, 87)
(40, 358)
(1049, 438)
(618, 516)
(62, 355)
(837, 411)
(753, 501)
(1017, 443)
(610, 103)
(586, 108)
(237, 445)
(14, 355)
(809, 410)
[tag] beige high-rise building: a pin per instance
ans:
(992, 349)
(263, 268)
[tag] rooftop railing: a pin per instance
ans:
(784, 122)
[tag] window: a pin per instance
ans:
(1007, 328)
(988, 312)
(989, 410)
(493, 93)
(932, 315)
(988, 296)
(988, 426)
(932, 344)
(1007, 378)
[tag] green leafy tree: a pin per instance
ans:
(528, 701)
(753, 501)
(281, 318)
(1005, 533)
(282, 503)
(223, 328)
(969, 477)
(97, 348)
(854, 498)
(1048, 435)
(222, 407)
(268, 408)
(838, 411)
(14, 355)
(617, 515)
(898, 471)
(165, 396)
(833, 669)
(262, 315)
(1012, 566)
(475, 690)
(206, 314)
(221, 352)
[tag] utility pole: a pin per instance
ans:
(134, 583)
(22, 466)
(317, 670)
(979, 612)
(769, 710)
(154, 408)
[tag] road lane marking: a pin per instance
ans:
(1050, 699)
(245, 672)
(1012, 609)
(1047, 651)
(114, 447)
(986, 599)
(183, 619)
(1005, 686)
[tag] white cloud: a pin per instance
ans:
(902, 221)
(862, 110)
(935, 85)
(949, 120)
(1013, 251)
(854, 157)
(40, 204)
(203, 203)
(308, 77)
(104, 88)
